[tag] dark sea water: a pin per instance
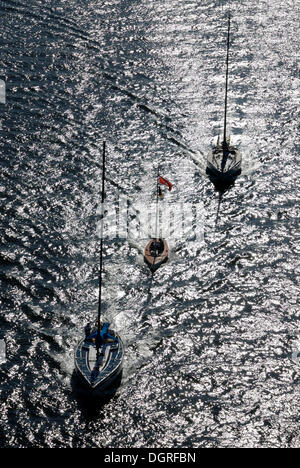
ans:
(212, 342)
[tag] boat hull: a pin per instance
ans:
(97, 372)
(154, 261)
(223, 168)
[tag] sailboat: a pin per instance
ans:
(157, 250)
(99, 355)
(224, 163)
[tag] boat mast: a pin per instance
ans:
(98, 341)
(226, 86)
(225, 144)
(157, 212)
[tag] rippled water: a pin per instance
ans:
(210, 341)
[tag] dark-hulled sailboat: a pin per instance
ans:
(157, 250)
(99, 355)
(224, 163)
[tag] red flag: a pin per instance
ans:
(163, 181)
